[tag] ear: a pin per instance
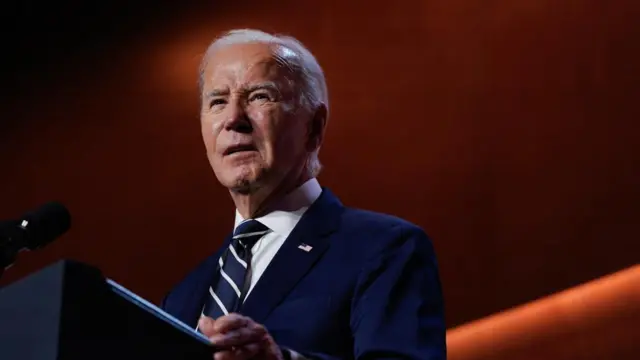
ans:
(316, 128)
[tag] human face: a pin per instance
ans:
(253, 129)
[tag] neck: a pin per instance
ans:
(258, 202)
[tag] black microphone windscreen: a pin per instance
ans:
(45, 224)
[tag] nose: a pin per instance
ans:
(238, 120)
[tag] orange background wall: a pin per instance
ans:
(507, 129)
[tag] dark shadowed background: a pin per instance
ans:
(508, 130)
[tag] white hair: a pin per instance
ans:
(313, 84)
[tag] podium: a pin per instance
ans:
(70, 311)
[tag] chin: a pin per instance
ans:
(243, 187)
(245, 180)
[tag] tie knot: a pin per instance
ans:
(249, 232)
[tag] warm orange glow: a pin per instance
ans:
(600, 317)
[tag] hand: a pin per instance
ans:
(239, 338)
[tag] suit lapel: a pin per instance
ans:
(292, 262)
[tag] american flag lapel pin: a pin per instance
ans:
(305, 247)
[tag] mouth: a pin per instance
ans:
(239, 149)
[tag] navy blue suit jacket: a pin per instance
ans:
(368, 289)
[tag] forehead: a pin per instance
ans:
(241, 63)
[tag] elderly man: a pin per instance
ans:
(301, 276)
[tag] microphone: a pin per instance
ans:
(32, 231)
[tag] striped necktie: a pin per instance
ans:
(233, 281)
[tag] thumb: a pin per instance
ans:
(205, 326)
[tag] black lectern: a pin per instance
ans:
(70, 311)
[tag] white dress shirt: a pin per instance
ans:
(281, 221)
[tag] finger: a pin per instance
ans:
(239, 337)
(230, 322)
(206, 326)
(223, 355)
(239, 353)
(249, 351)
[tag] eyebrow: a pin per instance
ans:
(269, 85)
(216, 93)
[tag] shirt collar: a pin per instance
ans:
(290, 209)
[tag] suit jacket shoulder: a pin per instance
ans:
(376, 231)
(182, 300)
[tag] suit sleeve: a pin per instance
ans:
(397, 308)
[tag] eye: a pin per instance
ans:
(260, 97)
(217, 102)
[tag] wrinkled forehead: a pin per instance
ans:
(241, 64)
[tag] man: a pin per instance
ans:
(301, 276)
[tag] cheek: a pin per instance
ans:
(210, 130)
(290, 139)
(207, 136)
(263, 123)
(279, 132)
